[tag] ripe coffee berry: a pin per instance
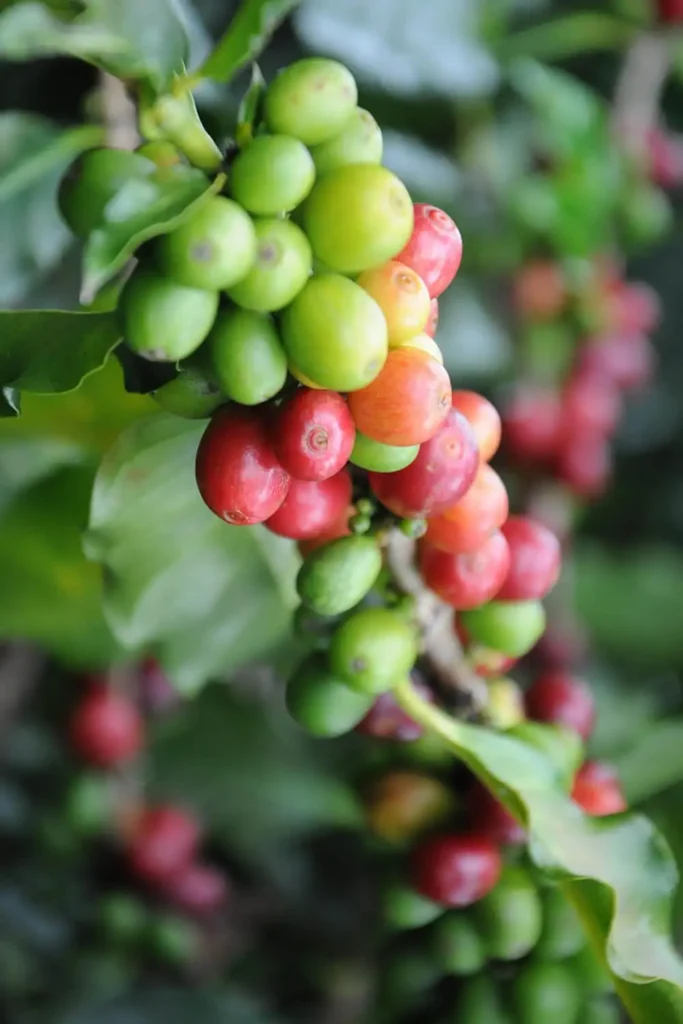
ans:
(164, 841)
(584, 463)
(590, 402)
(626, 359)
(401, 295)
(561, 699)
(238, 474)
(535, 560)
(481, 510)
(490, 819)
(406, 402)
(670, 11)
(106, 729)
(441, 474)
(386, 719)
(434, 250)
(313, 434)
(470, 579)
(456, 870)
(634, 307)
(312, 507)
(532, 424)
(597, 789)
(196, 888)
(539, 291)
(484, 419)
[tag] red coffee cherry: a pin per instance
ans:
(106, 728)
(470, 579)
(442, 472)
(386, 719)
(456, 870)
(535, 560)
(472, 520)
(238, 474)
(313, 434)
(532, 420)
(196, 888)
(164, 841)
(597, 789)
(670, 11)
(489, 818)
(634, 308)
(539, 291)
(590, 402)
(433, 321)
(584, 463)
(484, 419)
(627, 359)
(665, 153)
(340, 528)
(312, 507)
(561, 698)
(156, 690)
(435, 248)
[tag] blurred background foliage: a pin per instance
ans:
(452, 89)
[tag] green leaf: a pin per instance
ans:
(627, 910)
(379, 42)
(206, 597)
(653, 761)
(25, 461)
(247, 114)
(256, 779)
(582, 32)
(141, 210)
(52, 351)
(129, 38)
(247, 35)
(10, 402)
(50, 594)
(34, 154)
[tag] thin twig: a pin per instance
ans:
(441, 648)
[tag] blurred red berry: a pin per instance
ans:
(196, 888)
(590, 401)
(635, 308)
(456, 870)
(560, 698)
(627, 359)
(434, 250)
(442, 472)
(165, 840)
(584, 464)
(312, 507)
(156, 690)
(106, 729)
(386, 719)
(597, 789)
(665, 152)
(539, 290)
(535, 560)
(532, 424)
(469, 579)
(670, 11)
(489, 818)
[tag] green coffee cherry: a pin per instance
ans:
(458, 947)
(311, 99)
(272, 175)
(480, 1002)
(373, 649)
(281, 269)
(562, 747)
(173, 939)
(589, 972)
(88, 803)
(162, 153)
(512, 627)
(360, 142)
(95, 178)
(335, 334)
(546, 992)
(505, 703)
(600, 1011)
(358, 217)
(123, 918)
(247, 358)
(648, 214)
(335, 577)
(162, 320)
(214, 249)
(381, 458)
(321, 702)
(510, 917)
(561, 935)
(403, 908)
(190, 395)
(173, 117)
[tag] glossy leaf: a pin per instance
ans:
(52, 351)
(653, 761)
(559, 38)
(206, 597)
(247, 35)
(133, 40)
(50, 594)
(34, 153)
(627, 913)
(141, 210)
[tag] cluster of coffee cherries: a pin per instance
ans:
(158, 844)
(564, 430)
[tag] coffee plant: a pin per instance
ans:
(323, 700)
